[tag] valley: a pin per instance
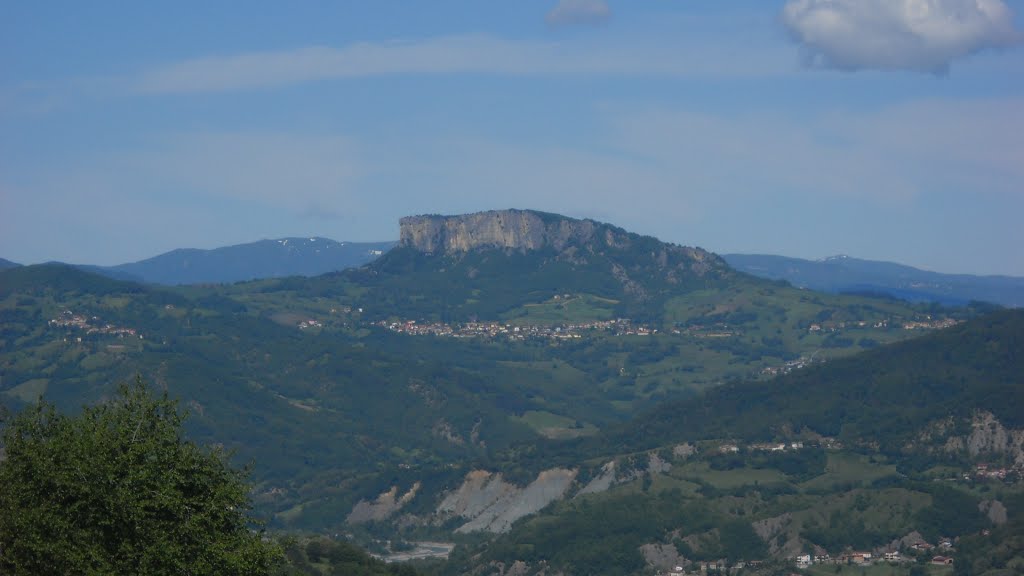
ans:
(553, 395)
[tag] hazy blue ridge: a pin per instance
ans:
(60, 277)
(255, 260)
(5, 264)
(845, 274)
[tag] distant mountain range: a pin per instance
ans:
(262, 259)
(845, 274)
(518, 230)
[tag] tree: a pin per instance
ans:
(117, 490)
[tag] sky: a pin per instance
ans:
(882, 129)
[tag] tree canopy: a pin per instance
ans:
(116, 489)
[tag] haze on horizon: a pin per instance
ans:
(884, 129)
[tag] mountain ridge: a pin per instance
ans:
(842, 273)
(268, 258)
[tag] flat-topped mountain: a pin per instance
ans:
(489, 264)
(529, 230)
(512, 229)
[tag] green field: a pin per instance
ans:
(848, 469)
(552, 425)
(563, 309)
(728, 479)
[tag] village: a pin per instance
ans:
(617, 327)
(927, 324)
(789, 366)
(90, 325)
(1000, 473)
(912, 549)
(622, 327)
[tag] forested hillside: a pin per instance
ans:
(382, 402)
(894, 447)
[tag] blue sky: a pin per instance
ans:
(883, 129)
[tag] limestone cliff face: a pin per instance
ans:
(568, 238)
(989, 436)
(509, 229)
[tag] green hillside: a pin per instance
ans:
(884, 395)
(869, 469)
(325, 384)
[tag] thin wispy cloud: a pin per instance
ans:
(901, 152)
(925, 35)
(466, 54)
(448, 55)
(692, 177)
(570, 12)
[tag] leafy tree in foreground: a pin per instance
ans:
(116, 490)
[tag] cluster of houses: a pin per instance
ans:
(618, 327)
(930, 324)
(805, 561)
(731, 448)
(713, 566)
(707, 331)
(988, 472)
(801, 362)
(89, 325)
(837, 326)
(913, 550)
(857, 558)
(346, 312)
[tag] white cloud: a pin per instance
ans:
(897, 153)
(924, 35)
(578, 12)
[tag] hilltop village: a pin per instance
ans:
(90, 325)
(617, 327)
